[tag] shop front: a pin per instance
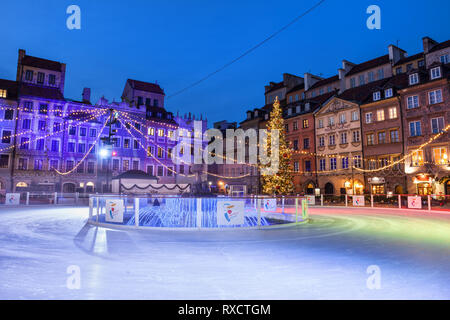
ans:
(377, 185)
(424, 184)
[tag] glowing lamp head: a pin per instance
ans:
(114, 153)
(104, 153)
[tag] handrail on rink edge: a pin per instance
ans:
(130, 207)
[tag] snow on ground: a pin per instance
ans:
(325, 259)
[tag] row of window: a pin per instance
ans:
(392, 114)
(435, 73)
(393, 137)
(357, 163)
(342, 119)
(28, 106)
(51, 79)
(306, 166)
(434, 97)
(306, 144)
(343, 138)
(305, 125)
(370, 78)
(439, 155)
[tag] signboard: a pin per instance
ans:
(414, 202)
(230, 213)
(114, 210)
(269, 204)
(311, 200)
(358, 201)
(12, 199)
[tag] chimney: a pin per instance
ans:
(310, 79)
(428, 44)
(19, 64)
(395, 54)
(86, 95)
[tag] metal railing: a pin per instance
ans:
(177, 212)
(48, 198)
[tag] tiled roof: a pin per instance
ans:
(41, 92)
(145, 86)
(440, 46)
(276, 86)
(369, 64)
(11, 88)
(361, 93)
(297, 87)
(42, 63)
(324, 82)
(411, 58)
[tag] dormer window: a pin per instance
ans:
(376, 96)
(307, 106)
(249, 115)
(435, 73)
(256, 113)
(266, 116)
(297, 109)
(388, 93)
(413, 78)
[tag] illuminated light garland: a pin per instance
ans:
(172, 170)
(45, 136)
(444, 131)
(148, 120)
(151, 154)
(211, 153)
(87, 153)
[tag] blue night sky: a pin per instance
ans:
(176, 42)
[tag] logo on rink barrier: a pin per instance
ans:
(414, 202)
(311, 200)
(270, 204)
(12, 199)
(230, 213)
(114, 211)
(358, 201)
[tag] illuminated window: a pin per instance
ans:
(417, 159)
(160, 132)
(2, 93)
(151, 131)
(160, 152)
(380, 115)
(305, 123)
(393, 113)
(170, 133)
(440, 155)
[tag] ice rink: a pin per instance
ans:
(325, 259)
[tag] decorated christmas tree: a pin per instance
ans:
(277, 182)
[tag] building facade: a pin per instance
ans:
(52, 143)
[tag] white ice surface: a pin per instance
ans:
(326, 259)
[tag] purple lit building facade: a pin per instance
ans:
(52, 134)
